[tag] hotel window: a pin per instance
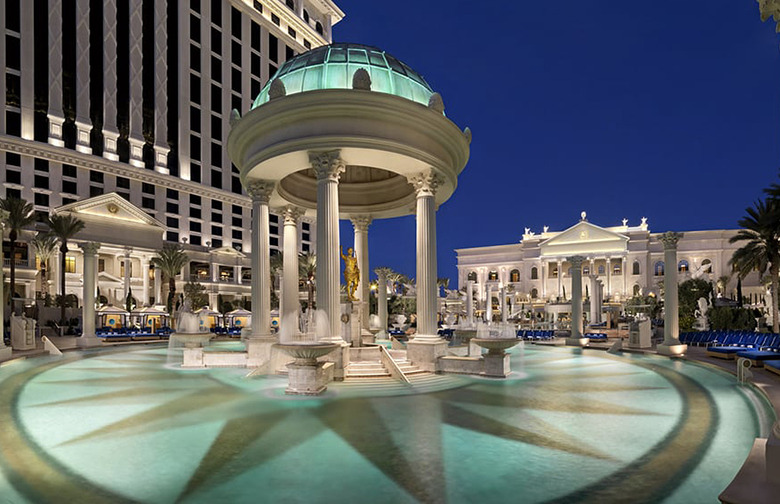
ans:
(41, 165)
(235, 51)
(216, 230)
(616, 270)
(534, 273)
(216, 41)
(658, 270)
(123, 183)
(195, 148)
(195, 28)
(147, 188)
(472, 276)
(42, 199)
(275, 20)
(13, 177)
(69, 171)
(255, 39)
(237, 221)
(172, 207)
(13, 159)
(122, 268)
(195, 172)
(305, 15)
(172, 236)
(601, 269)
(534, 294)
(291, 32)
(235, 22)
(306, 44)
(554, 273)
(216, 69)
(195, 213)
(216, 129)
(101, 265)
(13, 193)
(95, 176)
(318, 27)
(273, 48)
(216, 179)
(147, 203)
(216, 98)
(195, 119)
(195, 58)
(216, 12)
(682, 266)
(95, 191)
(68, 186)
(635, 268)
(493, 275)
(237, 234)
(172, 222)
(70, 264)
(195, 88)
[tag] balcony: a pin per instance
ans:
(20, 263)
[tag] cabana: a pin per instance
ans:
(210, 319)
(150, 318)
(111, 316)
(237, 320)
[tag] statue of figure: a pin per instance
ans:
(351, 272)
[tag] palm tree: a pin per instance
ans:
(64, 227)
(442, 282)
(307, 271)
(761, 251)
(20, 215)
(170, 259)
(45, 246)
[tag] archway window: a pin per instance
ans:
(493, 275)
(682, 266)
(290, 4)
(601, 269)
(318, 27)
(586, 270)
(534, 273)
(554, 272)
(514, 275)
(534, 294)
(635, 268)
(616, 270)
(637, 290)
(658, 269)
(305, 15)
(472, 276)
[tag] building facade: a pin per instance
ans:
(626, 260)
(133, 98)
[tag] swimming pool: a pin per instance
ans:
(567, 426)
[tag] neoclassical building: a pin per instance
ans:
(627, 260)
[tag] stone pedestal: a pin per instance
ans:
(340, 359)
(192, 358)
(424, 353)
(88, 341)
(308, 379)
(577, 341)
(5, 352)
(496, 365)
(259, 351)
(672, 350)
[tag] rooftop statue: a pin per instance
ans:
(351, 272)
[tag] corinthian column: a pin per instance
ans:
(289, 302)
(328, 166)
(260, 191)
(90, 250)
(360, 224)
(381, 293)
(576, 302)
(426, 347)
(671, 344)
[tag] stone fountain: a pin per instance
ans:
(497, 343)
(189, 335)
(307, 375)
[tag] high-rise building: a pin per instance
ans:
(134, 97)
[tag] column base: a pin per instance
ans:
(577, 341)
(193, 358)
(339, 357)
(307, 379)
(55, 130)
(671, 349)
(83, 140)
(258, 350)
(136, 152)
(161, 159)
(424, 351)
(88, 341)
(5, 353)
(110, 145)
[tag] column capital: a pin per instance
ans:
(576, 261)
(361, 222)
(670, 239)
(90, 248)
(127, 251)
(291, 214)
(426, 182)
(260, 190)
(328, 165)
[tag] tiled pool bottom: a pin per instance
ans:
(568, 426)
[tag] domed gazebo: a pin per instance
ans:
(346, 131)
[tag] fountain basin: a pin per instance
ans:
(306, 354)
(190, 340)
(496, 346)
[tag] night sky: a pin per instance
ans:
(666, 109)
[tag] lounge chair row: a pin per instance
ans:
(227, 331)
(536, 335)
(706, 338)
(597, 337)
(757, 347)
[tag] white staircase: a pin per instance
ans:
(374, 369)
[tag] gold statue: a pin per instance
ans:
(351, 272)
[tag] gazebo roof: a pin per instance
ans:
(333, 66)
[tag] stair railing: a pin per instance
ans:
(391, 365)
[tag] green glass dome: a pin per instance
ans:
(332, 67)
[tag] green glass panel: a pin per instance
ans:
(293, 82)
(377, 59)
(336, 77)
(380, 80)
(312, 80)
(337, 55)
(357, 56)
(402, 87)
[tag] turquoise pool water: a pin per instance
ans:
(566, 426)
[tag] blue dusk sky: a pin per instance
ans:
(667, 110)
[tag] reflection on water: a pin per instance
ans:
(568, 426)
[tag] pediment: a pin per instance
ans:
(227, 251)
(584, 238)
(107, 277)
(111, 207)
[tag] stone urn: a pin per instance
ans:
(306, 375)
(496, 346)
(496, 360)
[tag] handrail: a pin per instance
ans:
(392, 365)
